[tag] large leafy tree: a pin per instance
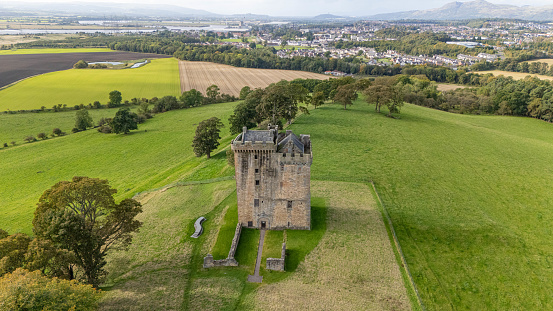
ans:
(192, 98)
(281, 100)
(345, 94)
(115, 98)
(207, 137)
(12, 251)
(124, 121)
(82, 217)
(245, 113)
(378, 94)
(83, 120)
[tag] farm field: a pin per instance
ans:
(15, 67)
(548, 61)
(13, 39)
(470, 197)
(157, 154)
(230, 80)
(158, 78)
(53, 51)
(515, 75)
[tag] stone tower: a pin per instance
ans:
(273, 173)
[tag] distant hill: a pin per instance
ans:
(100, 9)
(473, 10)
(327, 16)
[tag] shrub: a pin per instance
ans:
(56, 132)
(13, 143)
(5, 145)
(42, 136)
(80, 64)
(106, 129)
(29, 138)
(75, 130)
(97, 105)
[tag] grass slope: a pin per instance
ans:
(470, 197)
(83, 86)
(53, 51)
(157, 154)
(15, 127)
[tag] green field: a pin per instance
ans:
(53, 51)
(470, 197)
(83, 86)
(15, 127)
(157, 154)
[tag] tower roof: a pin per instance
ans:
(291, 137)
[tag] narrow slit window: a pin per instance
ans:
(255, 202)
(250, 223)
(289, 205)
(256, 170)
(257, 182)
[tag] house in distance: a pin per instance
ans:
(273, 172)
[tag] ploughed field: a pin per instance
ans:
(14, 67)
(230, 80)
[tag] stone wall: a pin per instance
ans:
(209, 262)
(277, 264)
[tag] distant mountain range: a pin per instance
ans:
(473, 10)
(99, 9)
(451, 11)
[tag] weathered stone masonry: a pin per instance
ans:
(273, 172)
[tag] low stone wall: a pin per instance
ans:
(209, 262)
(277, 264)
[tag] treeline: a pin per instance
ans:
(427, 43)
(252, 58)
(518, 62)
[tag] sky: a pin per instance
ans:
(307, 7)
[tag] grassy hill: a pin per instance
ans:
(83, 86)
(470, 197)
(157, 154)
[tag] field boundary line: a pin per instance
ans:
(398, 246)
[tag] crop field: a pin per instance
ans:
(15, 67)
(548, 61)
(83, 86)
(470, 197)
(515, 75)
(230, 80)
(158, 153)
(13, 39)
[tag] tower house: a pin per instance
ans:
(273, 174)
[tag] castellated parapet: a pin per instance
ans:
(273, 179)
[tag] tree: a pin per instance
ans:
(396, 99)
(83, 120)
(24, 290)
(192, 98)
(115, 99)
(377, 94)
(12, 251)
(345, 94)
(212, 92)
(207, 137)
(317, 99)
(253, 45)
(82, 217)
(42, 136)
(124, 121)
(244, 92)
(80, 64)
(57, 132)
